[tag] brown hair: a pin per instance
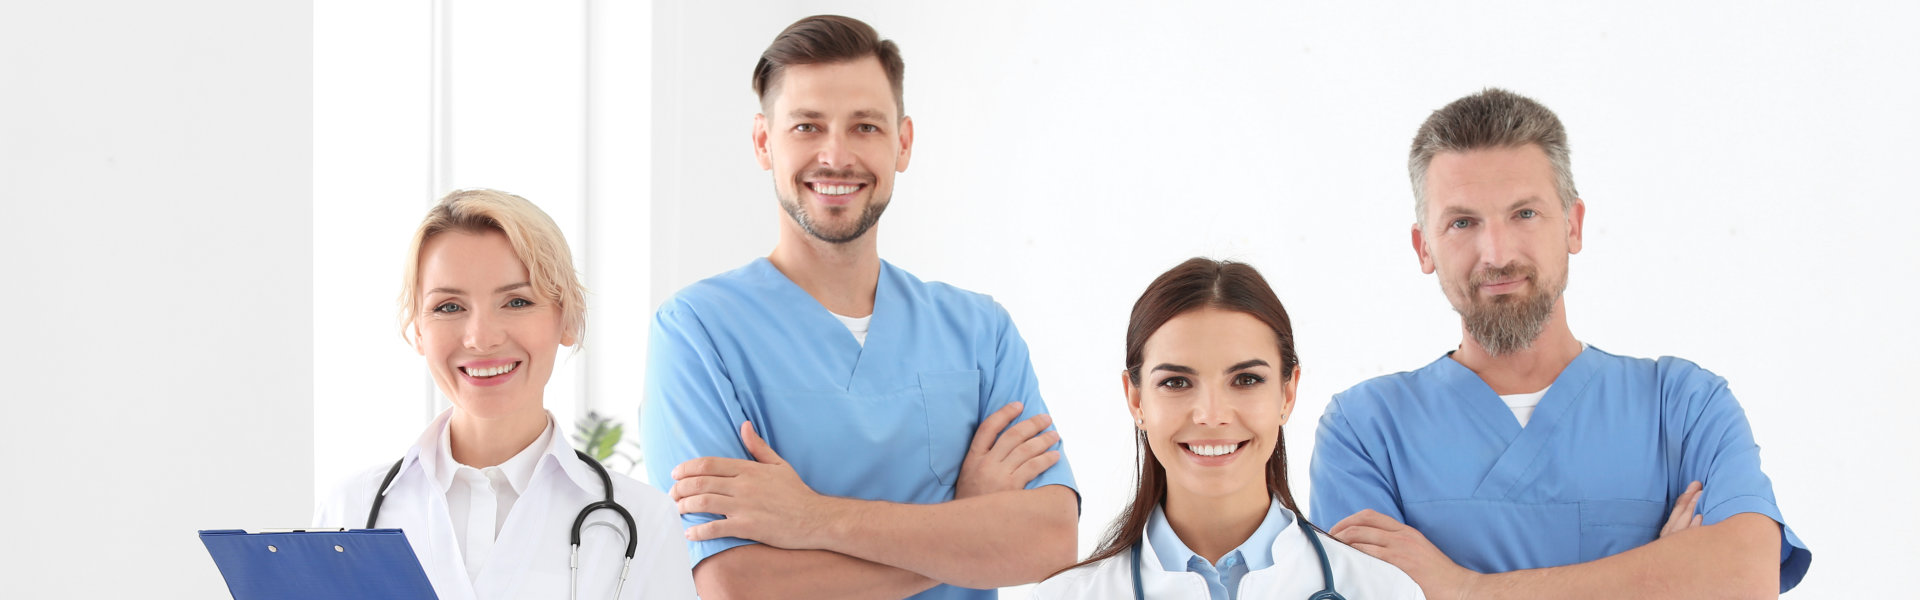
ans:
(1193, 285)
(828, 39)
(1493, 118)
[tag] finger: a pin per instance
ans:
(1696, 520)
(710, 465)
(758, 447)
(706, 503)
(694, 486)
(715, 529)
(1018, 434)
(1678, 517)
(1033, 467)
(1373, 550)
(989, 428)
(1693, 499)
(1361, 534)
(1033, 447)
(1366, 518)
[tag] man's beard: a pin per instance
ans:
(1507, 324)
(869, 214)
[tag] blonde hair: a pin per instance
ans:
(536, 241)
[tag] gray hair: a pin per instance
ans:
(1493, 118)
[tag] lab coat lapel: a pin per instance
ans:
(1525, 458)
(1156, 581)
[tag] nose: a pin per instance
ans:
(483, 332)
(1497, 242)
(1210, 408)
(835, 153)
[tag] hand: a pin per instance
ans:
(1382, 537)
(1683, 516)
(763, 499)
(1000, 461)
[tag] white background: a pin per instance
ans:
(206, 204)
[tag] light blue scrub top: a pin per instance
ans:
(1595, 472)
(890, 421)
(1223, 579)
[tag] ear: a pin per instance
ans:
(906, 144)
(417, 348)
(569, 333)
(760, 151)
(1420, 249)
(1576, 225)
(1133, 398)
(1291, 390)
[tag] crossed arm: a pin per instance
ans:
(1735, 558)
(994, 533)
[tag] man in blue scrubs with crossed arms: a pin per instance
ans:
(1526, 464)
(849, 421)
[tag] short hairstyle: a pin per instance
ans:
(828, 39)
(1492, 118)
(536, 241)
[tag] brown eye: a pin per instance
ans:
(1178, 383)
(1248, 379)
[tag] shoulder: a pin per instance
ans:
(947, 298)
(1376, 397)
(1083, 581)
(1356, 571)
(726, 291)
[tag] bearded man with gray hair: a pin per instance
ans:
(1525, 463)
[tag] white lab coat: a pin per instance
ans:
(1294, 575)
(530, 556)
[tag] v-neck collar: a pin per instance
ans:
(1523, 454)
(816, 319)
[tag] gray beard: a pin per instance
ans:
(1507, 327)
(869, 216)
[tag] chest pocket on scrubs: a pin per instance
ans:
(952, 402)
(1609, 527)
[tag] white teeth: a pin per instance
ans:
(491, 371)
(834, 190)
(1213, 449)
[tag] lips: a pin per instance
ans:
(490, 372)
(1213, 452)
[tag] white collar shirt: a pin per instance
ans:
(479, 499)
(529, 551)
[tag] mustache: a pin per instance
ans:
(1508, 271)
(848, 174)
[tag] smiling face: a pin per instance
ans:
(1498, 236)
(833, 137)
(1211, 400)
(489, 340)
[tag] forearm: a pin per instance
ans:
(761, 571)
(1736, 558)
(996, 540)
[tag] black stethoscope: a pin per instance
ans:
(573, 562)
(1326, 569)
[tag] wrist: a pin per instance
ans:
(836, 520)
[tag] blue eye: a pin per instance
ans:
(519, 303)
(446, 308)
(1248, 379)
(1528, 213)
(1461, 223)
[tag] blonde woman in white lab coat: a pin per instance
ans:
(489, 492)
(1211, 377)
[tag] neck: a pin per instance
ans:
(1529, 370)
(1212, 526)
(841, 277)
(485, 442)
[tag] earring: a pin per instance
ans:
(1141, 423)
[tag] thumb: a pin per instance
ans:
(758, 447)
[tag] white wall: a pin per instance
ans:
(1746, 172)
(155, 164)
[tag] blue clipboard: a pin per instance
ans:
(375, 564)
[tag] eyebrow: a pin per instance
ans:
(1245, 364)
(865, 113)
(500, 290)
(1459, 210)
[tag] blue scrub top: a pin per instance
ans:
(1595, 472)
(890, 421)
